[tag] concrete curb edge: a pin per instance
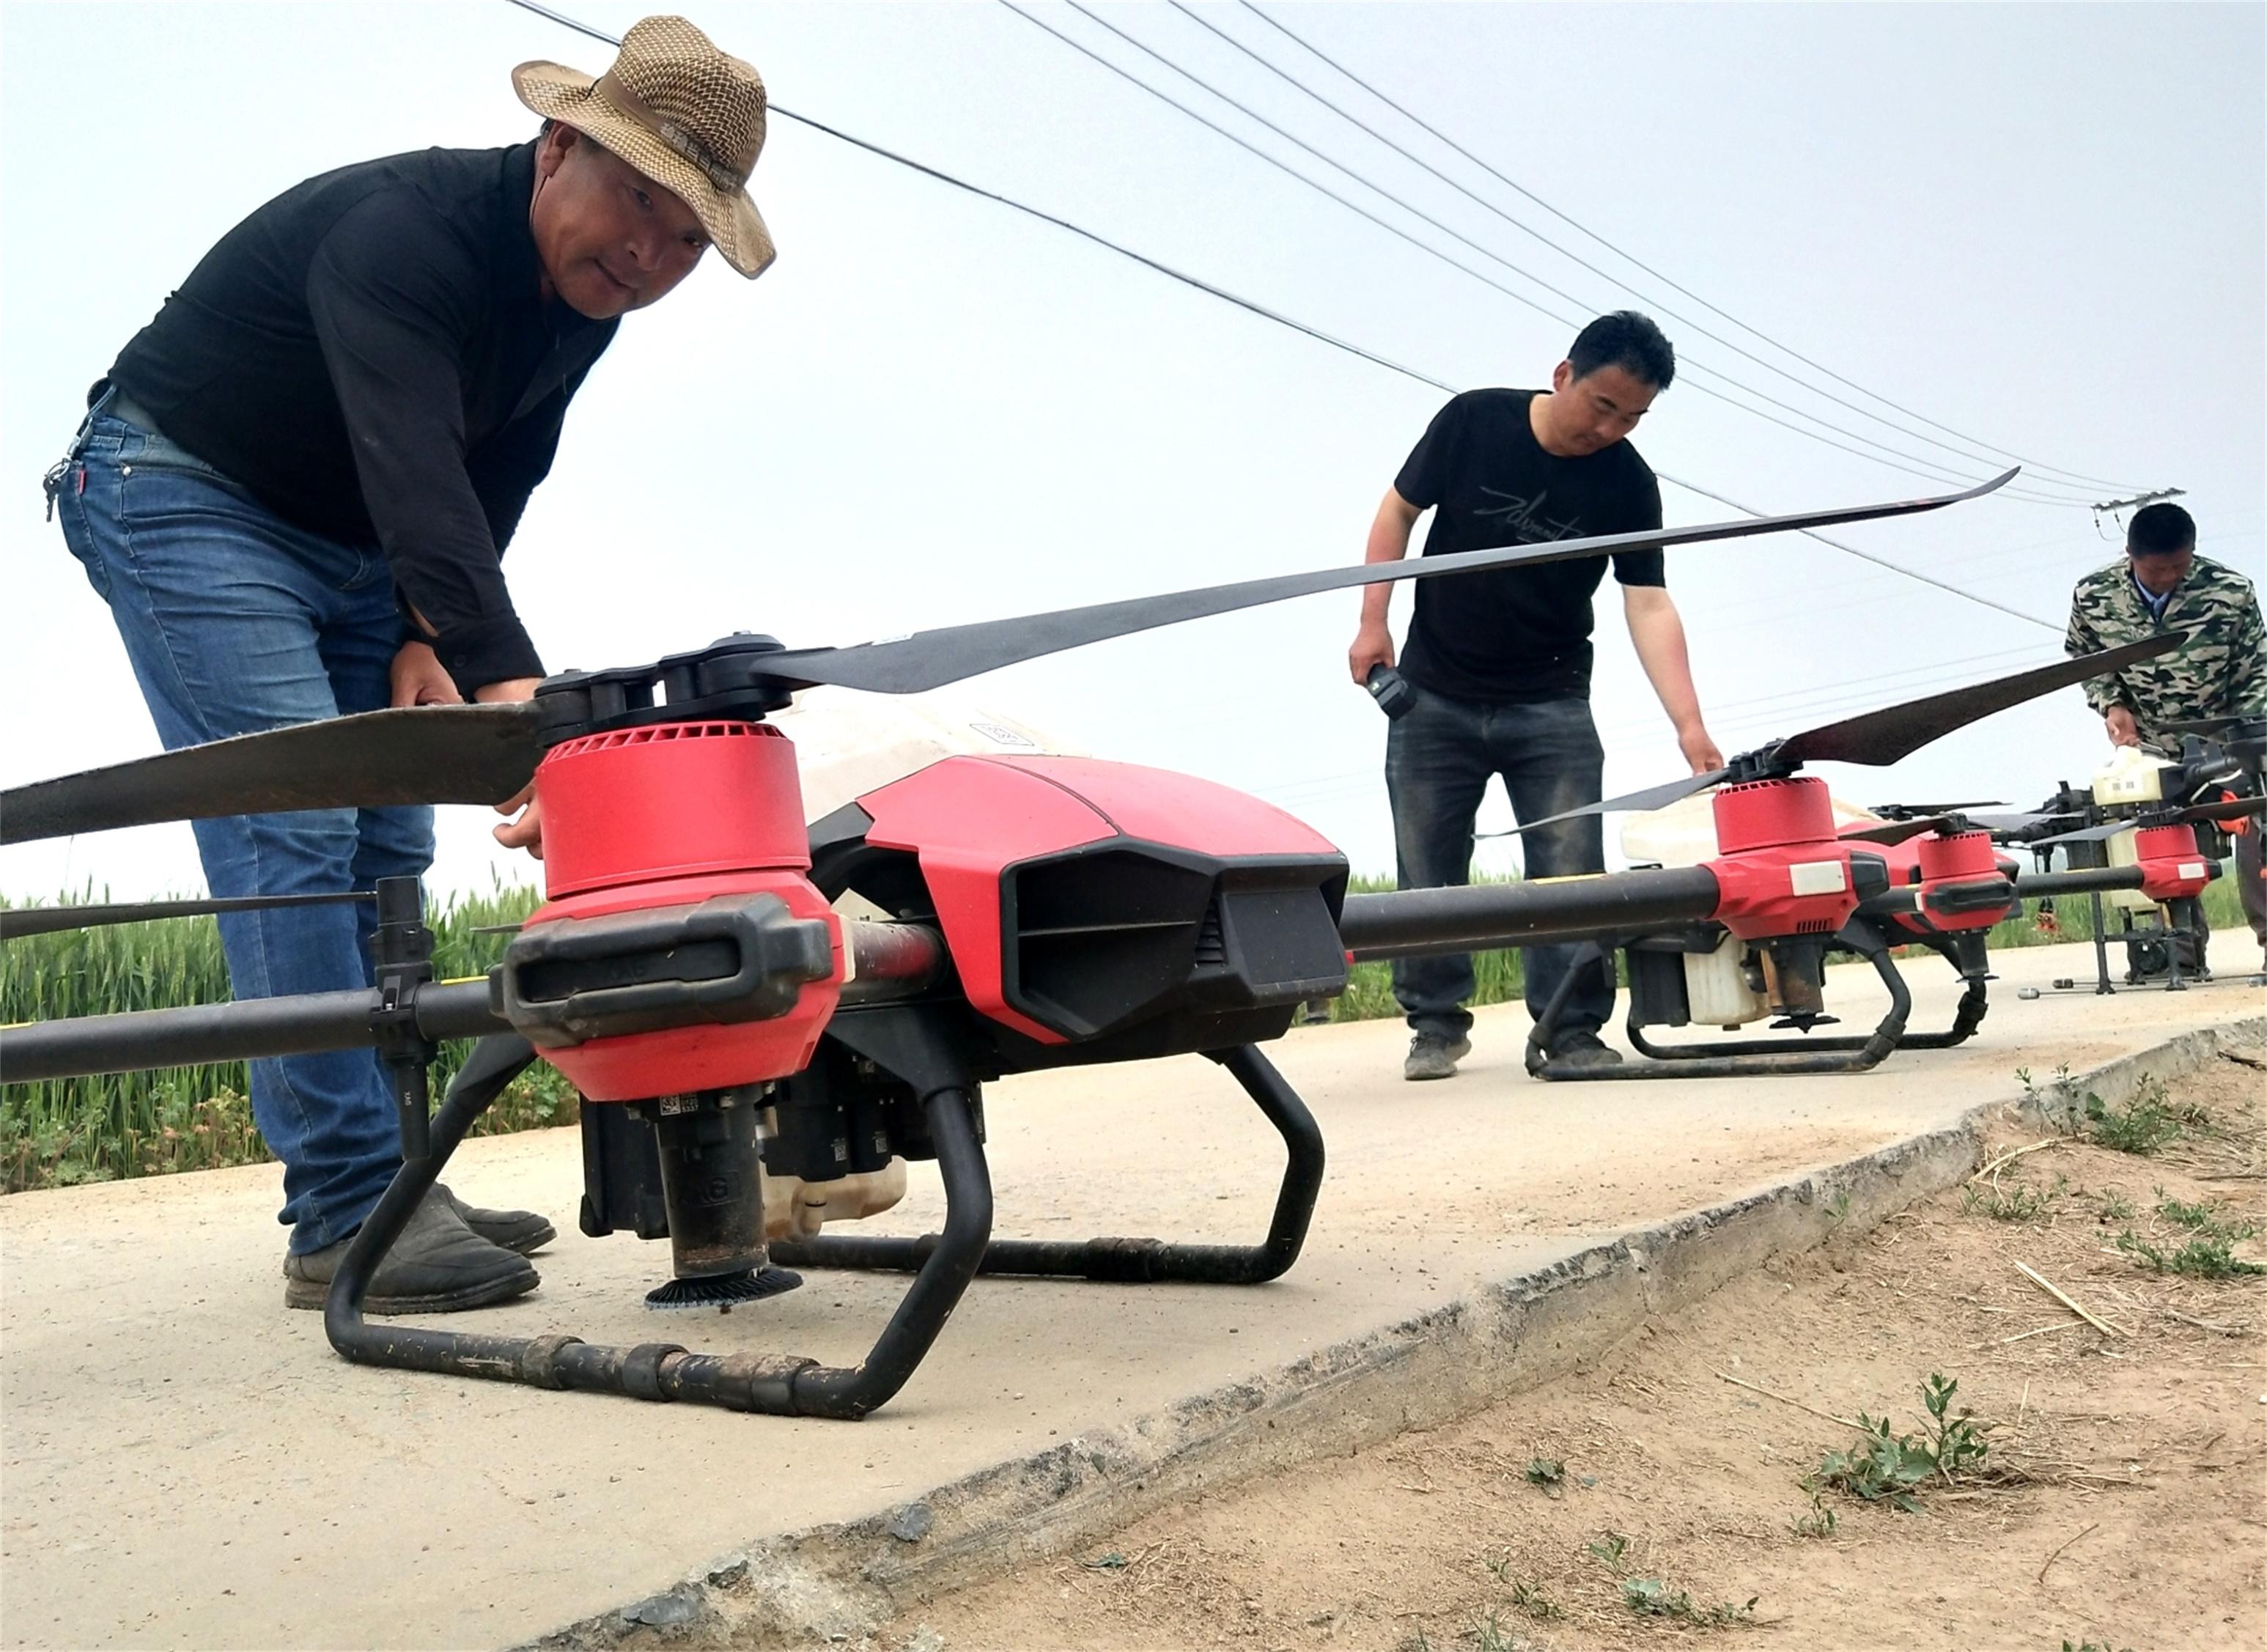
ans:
(836, 1583)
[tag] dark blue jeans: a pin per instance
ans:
(1438, 759)
(236, 622)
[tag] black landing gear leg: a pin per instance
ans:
(1133, 1261)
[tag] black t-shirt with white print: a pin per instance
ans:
(1516, 635)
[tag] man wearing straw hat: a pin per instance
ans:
(295, 487)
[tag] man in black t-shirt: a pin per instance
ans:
(1500, 662)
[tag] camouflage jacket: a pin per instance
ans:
(2222, 667)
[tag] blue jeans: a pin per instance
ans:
(236, 622)
(1438, 759)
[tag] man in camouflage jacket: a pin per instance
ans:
(2221, 670)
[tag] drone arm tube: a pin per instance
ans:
(1412, 922)
(893, 960)
(203, 1034)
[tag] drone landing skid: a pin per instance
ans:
(1791, 1056)
(942, 1263)
(1966, 1015)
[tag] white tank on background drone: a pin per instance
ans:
(1718, 989)
(2130, 776)
(845, 745)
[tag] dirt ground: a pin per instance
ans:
(2121, 1503)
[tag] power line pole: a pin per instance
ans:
(2112, 507)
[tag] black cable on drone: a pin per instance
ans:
(1265, 313)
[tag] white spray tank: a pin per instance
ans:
(2130, 776)
(847, 745)
(1719, 989)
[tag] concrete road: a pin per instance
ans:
(187, 1464)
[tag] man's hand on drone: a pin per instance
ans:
(420, 680)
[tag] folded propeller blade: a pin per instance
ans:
(1880, 738)
(414, 755)
(929, 659)
(2225, 809)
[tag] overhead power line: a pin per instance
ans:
(1265, 312)
(1993, 465)
(1911, 464)
(1419, 121)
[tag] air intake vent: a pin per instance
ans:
(1212, 946)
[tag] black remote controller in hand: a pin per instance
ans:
(1393, 692)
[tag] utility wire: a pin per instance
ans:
(1316, 334)
(1863, 412)
(1911, 464)
(1406, 113)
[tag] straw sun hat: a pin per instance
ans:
(686, 115)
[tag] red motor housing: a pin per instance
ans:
(1778, 867)
(1960, 882)
(2173, 866)
(659, 820)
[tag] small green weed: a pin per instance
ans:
(1611, 1547)
(1548, 1472)
(2115, 1207)
(1529, 1598)
(2206, 1256)
(1653, 1598)
(2198, 1217)
(1819, 1523)
(2022, 1202)
(2090, 1645)
(2148, 1124)
(1888, 1466)
(1837, 1208)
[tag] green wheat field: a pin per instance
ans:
(146, 1124)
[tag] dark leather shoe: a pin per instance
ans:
(520, 1230)
(437, 1266)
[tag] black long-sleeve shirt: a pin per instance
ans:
(370, 355)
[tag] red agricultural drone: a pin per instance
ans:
(691, 975)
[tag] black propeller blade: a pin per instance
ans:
(929, 659)
(1894, 832)
(486, 754)
(1880, 738)
(2225, 809)
(2212, 725)
(18, 923)
(425, 754)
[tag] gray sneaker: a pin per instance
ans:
(437, 1266)
(1578, 1049)
(1432, 1055)
(520, 1230)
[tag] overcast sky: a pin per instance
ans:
(2041, 225)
